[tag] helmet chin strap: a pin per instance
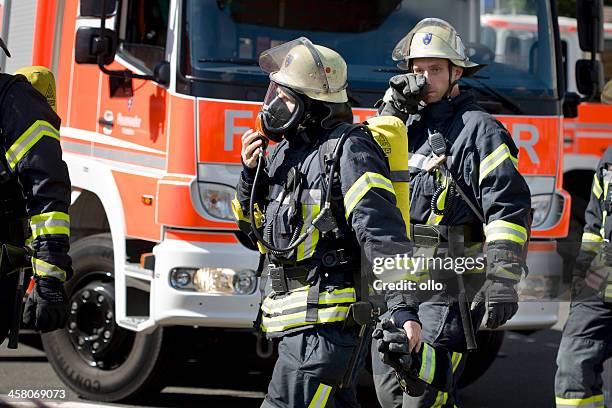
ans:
(451, 83)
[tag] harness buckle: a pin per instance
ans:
(277, 276)
(334, 258)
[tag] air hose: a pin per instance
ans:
(324, 221)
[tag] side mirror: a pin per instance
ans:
(92, 43)
(161, 73)
(570, 105)
(589, 77)
(589, 16)
(93, 8)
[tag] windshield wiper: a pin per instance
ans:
(236, 61)
(506, 100)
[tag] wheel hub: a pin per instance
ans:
(91, 325)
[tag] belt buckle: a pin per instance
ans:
(426, 235)
(334, 258)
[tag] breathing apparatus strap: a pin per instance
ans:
(324, 222)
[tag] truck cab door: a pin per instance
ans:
(134, 110)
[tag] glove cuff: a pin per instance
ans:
(505, 262)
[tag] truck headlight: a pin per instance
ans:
(217, 200)
(541, 206)
(182, 278)
(225, 281)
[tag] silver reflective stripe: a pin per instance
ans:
(50, 223)
(456, 358)
(417, 160)
(595, 401)
(506, 230)
(311, 196)
(298, 299)
(400, 175)
(361, 186)
(306, 248)
(140, 159)
(28, 139)
(494, 159)
(428, 364)
(321, 396)
(285, 322)
(441, 399)
(42, 268)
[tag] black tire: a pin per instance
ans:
(126, 365)
(478, 362)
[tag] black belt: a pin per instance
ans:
(334, 264)
(433, 235)
(285, 279)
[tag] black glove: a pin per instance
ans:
(500, 300)
(403, 96)
(392, 346)
(47, 306)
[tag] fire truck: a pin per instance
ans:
(587, 131)
(154, 96)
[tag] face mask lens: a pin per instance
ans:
(280, 106)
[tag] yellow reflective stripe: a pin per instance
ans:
(240, 216)
(514, 161)
(286, 322)
(45, 269)
(428, 364)
(504, 273)
(590, 237)
(597, 190)
(360, 188)
(456, 359)
(503, 230)
(298, 298)
(238, 213)
(441, 399)
(435, 219)
(495, 159)
(54, 222)
(306, 249)
(28, 139)
(596, 401)
(321, 396)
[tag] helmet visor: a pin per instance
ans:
(297, 58)
(281, 108)
(427, 28)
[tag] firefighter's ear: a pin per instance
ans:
(457, 72)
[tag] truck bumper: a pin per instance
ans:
(539, 292)
(170, 306)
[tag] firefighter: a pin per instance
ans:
(463, 176)
(34, 200)
(586, 342)
(606, 94)
(322, 196)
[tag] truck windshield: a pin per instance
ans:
(222, 39)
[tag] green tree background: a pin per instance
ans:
(568, 7)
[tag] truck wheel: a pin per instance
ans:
(93, 355)
(478, 362)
